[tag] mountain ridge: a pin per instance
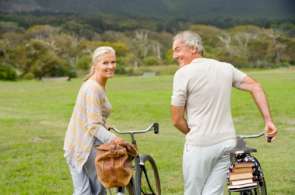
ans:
(161, 9)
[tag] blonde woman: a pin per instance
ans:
(87, 126)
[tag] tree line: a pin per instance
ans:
(52, 49)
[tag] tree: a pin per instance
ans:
(10, 27)
(43, 61)
(276, 48)
(66, 47)
(79, 29)
(41, 31)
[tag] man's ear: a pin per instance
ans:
(194, 51)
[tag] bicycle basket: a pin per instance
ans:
(113, 163)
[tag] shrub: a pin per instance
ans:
(169, 57)
(83, 62)
(7, 73)
(28, 76)
(151, 60)
(71, 73)
(120, 69)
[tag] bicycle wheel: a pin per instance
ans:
(147, 177)
(261, 189)
(248, 192)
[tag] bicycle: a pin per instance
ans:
(146, 180)
(241, 156)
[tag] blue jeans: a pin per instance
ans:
(85, 181)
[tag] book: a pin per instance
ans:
(244, 165)
(240, 176)
(243, 170)
(231, 187)
(242, 181)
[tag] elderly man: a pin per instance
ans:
(201, 110)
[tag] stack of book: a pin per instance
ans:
(241, 175)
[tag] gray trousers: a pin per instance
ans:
(205, 168)
(85, 181)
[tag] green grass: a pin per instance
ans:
(34, 116)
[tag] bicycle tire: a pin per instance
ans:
(147, 177)
(261, 188)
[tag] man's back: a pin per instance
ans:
(206, 86)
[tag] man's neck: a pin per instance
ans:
(197, 56)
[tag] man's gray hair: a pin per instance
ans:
(190, 39)
(100, 51)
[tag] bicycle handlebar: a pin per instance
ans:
(255, 136)
(153, 126)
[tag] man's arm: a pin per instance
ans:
(178, 120)
(252, 86)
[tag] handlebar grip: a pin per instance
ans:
(156, 128)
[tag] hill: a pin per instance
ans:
(192, 10)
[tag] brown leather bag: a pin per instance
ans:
(113, 163)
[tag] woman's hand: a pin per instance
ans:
(118, 140)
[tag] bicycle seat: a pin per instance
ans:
(242, 148)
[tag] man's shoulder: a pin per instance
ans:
(199, 64)
(178, 72)
(215, 61)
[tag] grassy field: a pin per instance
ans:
(34, 116)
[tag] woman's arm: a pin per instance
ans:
(95, 122)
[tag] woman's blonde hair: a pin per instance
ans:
(96, 56)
